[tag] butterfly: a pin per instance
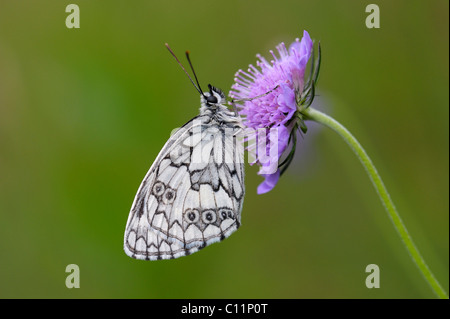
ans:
(193, 193)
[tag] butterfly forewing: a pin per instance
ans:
(193, 193)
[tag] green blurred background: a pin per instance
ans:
(84, 112)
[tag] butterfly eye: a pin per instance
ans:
(191, 216)
(209, 216)
(158, 189)
(169, 196)
(211, 99)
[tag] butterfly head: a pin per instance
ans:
(213, 98)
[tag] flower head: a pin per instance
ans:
(270, 96)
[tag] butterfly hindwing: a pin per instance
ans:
(192, 195)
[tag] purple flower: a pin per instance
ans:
(270, 96)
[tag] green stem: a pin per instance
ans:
(317, 116)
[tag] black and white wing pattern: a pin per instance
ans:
(193, 194)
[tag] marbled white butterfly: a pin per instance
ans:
(192, 196)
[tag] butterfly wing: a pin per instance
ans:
(192, 195)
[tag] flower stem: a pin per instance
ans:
(317, 116)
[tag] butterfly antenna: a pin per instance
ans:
(192, 81)
(255, 97)
(192, 68)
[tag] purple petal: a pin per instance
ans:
(301, 52)
(278, 141)
(306, 45)
(269, 183)
(286, 105)
(286, 99)
(283, 138)
(295, 46)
